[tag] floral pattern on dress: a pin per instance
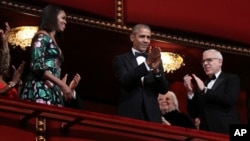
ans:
(45, 56)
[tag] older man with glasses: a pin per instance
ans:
(214, 100)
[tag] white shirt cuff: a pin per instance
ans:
(190, 96)
(74, 94)
(148, 68)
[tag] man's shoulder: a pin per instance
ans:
(230, 76)
(226, 74)
(123, 55)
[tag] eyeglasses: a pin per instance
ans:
(208, 60)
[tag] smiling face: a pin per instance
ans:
(166, 102)
(211, 62)
(61, 21)
(141, 39)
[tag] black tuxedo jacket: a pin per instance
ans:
(217, 107)
(137, 97)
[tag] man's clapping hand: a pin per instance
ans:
(154, 58)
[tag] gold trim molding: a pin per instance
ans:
(41, 129)
(119, 17)
(119, 26)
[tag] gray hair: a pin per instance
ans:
(138, 26)
(175, 100)
(216, 52)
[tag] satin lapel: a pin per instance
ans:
(132, 59)
(218, 81)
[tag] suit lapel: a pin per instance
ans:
(218, 81)
(132, 59)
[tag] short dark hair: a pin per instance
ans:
(49, 18)
(136, 28)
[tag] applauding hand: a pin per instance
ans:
(154, 58)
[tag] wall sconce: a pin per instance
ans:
(171, 61)
(22, 36)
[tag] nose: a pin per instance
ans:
(146, 40)
(205, 62)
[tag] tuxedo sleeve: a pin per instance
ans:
(193, 105)
(128, 76)
(162, 83)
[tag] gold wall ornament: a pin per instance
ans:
(171, 61)
(41, 129)
(22, 36)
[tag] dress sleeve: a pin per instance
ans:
(38, 53)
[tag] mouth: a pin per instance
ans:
(144, 46)
(206, 68)
(164, 104)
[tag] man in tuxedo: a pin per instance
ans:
(214, 101)
(141, 77)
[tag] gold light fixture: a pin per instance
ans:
(22, 36)
(171, 61)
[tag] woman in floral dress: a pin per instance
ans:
(43, 84)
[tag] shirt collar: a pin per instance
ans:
(217, 74)
(134, 50)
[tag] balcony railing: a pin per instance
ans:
(80, 124)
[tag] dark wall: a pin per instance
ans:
(90, 52)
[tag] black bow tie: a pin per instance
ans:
(144, 54)
(210, 79)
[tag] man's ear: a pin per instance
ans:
(221, 61)
(132, 37)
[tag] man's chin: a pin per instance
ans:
(144, 48)
(207, 72)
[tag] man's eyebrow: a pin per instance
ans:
(145, 36)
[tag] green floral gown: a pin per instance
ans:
(45, 55)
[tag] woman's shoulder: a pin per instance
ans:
(42, 34)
